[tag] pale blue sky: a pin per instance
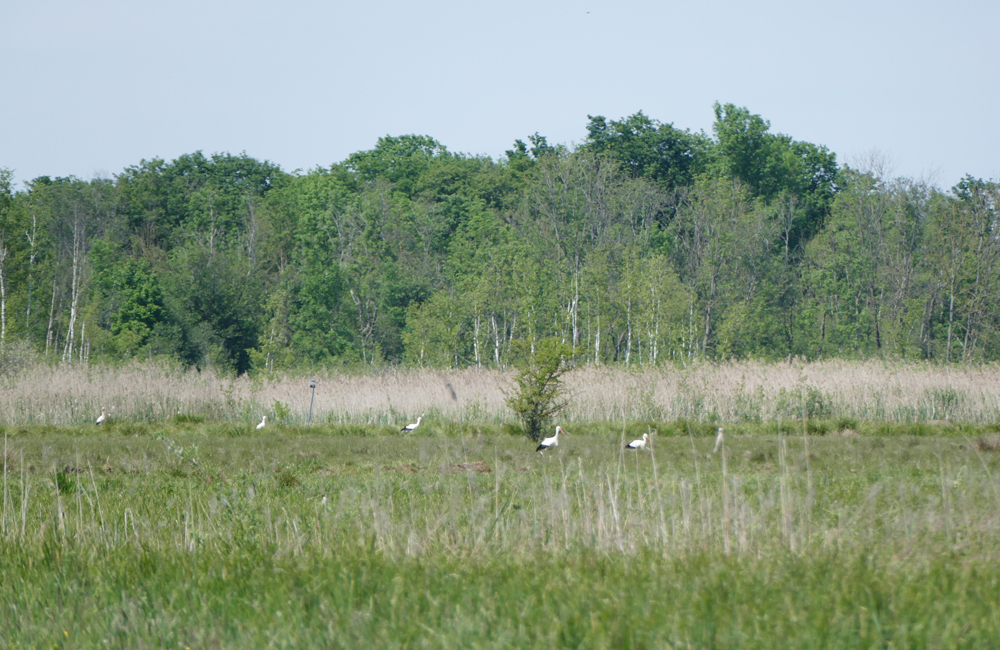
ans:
(91, 87)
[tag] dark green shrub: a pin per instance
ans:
(538, 397)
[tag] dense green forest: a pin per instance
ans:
(646, 244)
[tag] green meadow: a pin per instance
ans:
(195, 534)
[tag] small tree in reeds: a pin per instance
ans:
(538, 397)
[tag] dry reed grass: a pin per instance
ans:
(729, 392)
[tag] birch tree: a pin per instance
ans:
(6, 203)
(3, 293)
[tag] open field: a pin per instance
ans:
(197, 534)
(869, 391)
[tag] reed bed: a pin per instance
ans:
(730, 392)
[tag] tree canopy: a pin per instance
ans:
(647, 244)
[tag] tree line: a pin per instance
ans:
(645, 245)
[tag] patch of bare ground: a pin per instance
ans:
(988, 443)
(406, 468)
(10, 458)
(476, 466)
(412, 468)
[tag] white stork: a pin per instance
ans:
(102, 417)
(263, 423)
(409, 428)
(638, 444)
(720, 439)
(549, 443)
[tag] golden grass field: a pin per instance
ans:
(728, 392)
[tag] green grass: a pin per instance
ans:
(193, 534)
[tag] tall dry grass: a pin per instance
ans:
(729, 392)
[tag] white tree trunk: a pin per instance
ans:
(83, 341)
(628, 329)
(597, 342)
(52, 313)
(3, 296)
(476, 325)
(496, 340)
(31, 266)
(74, 290)
(576, 309)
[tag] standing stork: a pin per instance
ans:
(720, 439)
(263, 423)
(409, 428)
(549, 443)
(638, 444)
(102, 417)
